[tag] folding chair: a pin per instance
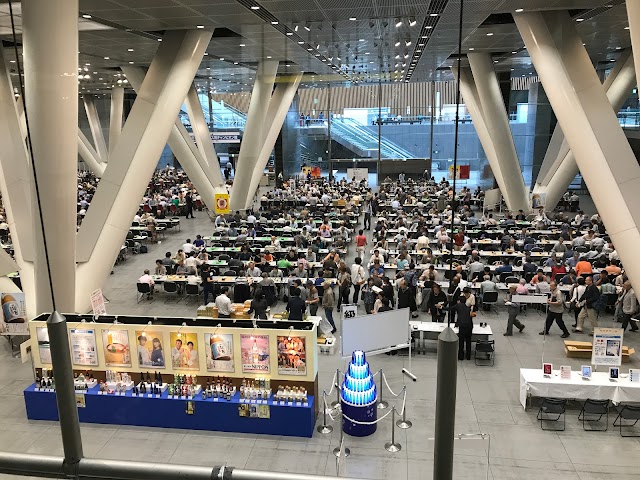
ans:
(171, 288)
(594, 408)
(627, 412)
(191, 292)
(552, 407)
(143, 289)
(491, 299)
(485, 352)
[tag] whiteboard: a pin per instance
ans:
(376, 331)
(359, 173)
(492, 198)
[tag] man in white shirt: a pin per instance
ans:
(251, 219)
(188, 247)
(192, 263)
(395, 204)
(136, 218)
(325, 199)
(223, 303)
(253, 271)
(148, 279)
(423, 242)
(357, 278)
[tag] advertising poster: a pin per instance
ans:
(221, 203)
(149, 348)
(14, 313)
(83, 347)
(44, 348)
(255, 353)
(116, 348)
(219, 352)
(184, 354)
(292, 357)
(607, 346)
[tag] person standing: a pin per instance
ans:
(259, 306)
(313, 298)
(590, 296)
(328, 302)
(296, 306)
(555, 310)
(357, 278)
(344, 286)
(207, 283)
(361, 243)
(367, 214)
(223, 302)
(629, 306)
(513, 309)
(189, 201)
(464, 322)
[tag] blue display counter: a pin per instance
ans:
(209, 414)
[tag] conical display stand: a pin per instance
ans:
(358, 398)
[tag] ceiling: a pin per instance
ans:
(342, 41)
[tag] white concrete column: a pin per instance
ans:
(211, 164)
(559, 166)
(135, 156)
(590, 125)
(472, 102)
(185, 151)
(515, 192)
(115, 117)
(95, 126)
(278, 108)
(89, 155)
(51, 90)
(253, 137)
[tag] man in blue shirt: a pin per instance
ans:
(505, 267)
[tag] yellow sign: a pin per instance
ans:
(222, 203)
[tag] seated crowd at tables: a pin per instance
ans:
(416, 233)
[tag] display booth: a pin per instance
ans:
(242, 376)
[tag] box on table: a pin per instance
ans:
(575, 349)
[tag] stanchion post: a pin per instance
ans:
(336, 402)
(392, 446)
(324, 428)
(403, 422)
(382, 404)
(339, 451)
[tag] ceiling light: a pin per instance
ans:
(242, 44)
(86, 15)
(295, 29)
(362, 39)
(418, 51)
(495, 61)
(129, 49)
(433, 14)
(626, 28)
(618, 48)
(406, 55)
(471, 49)
(199, 26)
(287, 65)
(514, 52)
(255, 7)
(159, 39)
(407, 43)
(489, 34)
(518, 10)
(398, 22)
(300, 43)
(289, 33)
(130, 63)
(222, 59)
(106, 58)
(235, 63)
(309, 49)
(13, 61)
(275, 22)
(428, 27)
(412, 21)
(397, 44)
(579, 19)
(424, 36)
(268, 56)
(353, 19)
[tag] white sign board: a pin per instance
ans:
(97, 303)
(492, 199)
(349, 311)
(379, 331)
(607, 346)
(358, 173)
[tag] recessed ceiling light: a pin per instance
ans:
(309, 49)
(199, 26)
(579, 19)
(424, 36)
(86, 15)
(130, 63)
(221, 59)
(287, 65)
(289, 33)
(255, 7)
(275, 22)
(106, 58)
(398, 22)
(159, 39)
(495, 61)
(235, 63)
(489, 34)
(407, 43)
(626, 28)
(300, 43)
(206, 54)
(268, 56)
(428, 27)
(518, 10)
(618, 48)
(471, 49)
(397, 44)
(242, 44)
(433, 14)
(353, 19)
(129, 49)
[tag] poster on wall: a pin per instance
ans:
(116, 348)
(255, 353)
(83, 347)
(538, 200)
(149, 349)
(292, 357)
(462, 172)
(607, 346)
(184, 354)
(14, 313)
(44, 347)
(219, 349)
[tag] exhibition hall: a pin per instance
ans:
(277, 240)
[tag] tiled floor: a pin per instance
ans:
(487, 401)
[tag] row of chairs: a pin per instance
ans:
(172, 290)
(592, 411)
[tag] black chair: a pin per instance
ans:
(490, 298)
(171, 288)
(230, 273)
(485, 352)
(143, 289)
(627, 412)
(529, 276)
(224, 258)
(594, 408)
(192, 291)
(511, 279)
(504, 275)
(550, 408)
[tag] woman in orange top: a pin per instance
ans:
(583, 267)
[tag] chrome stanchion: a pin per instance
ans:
(341, 450)
(336, 402)
(392, 446)
(324, 428)
(382, 404)
(403, 422)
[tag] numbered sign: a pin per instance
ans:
(349, 311)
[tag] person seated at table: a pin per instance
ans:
(167, 261)
(559, 247)
(402, 261)
(559, 269)
(300, 271)
(583, 266)
(423, 241)
(570, 278)
(267, 256)
(539, 274)
(429, 276)
(198, 242)
(521, 217)
(253, 270)
(160, 268)
(490, 221)
(181, 268)
(472, 220)
(487, 285)
(192, 263)
(148, 279)
(245, 254)
(542, 286)
(505, 267)
(522, 288)
(220, 221)
(528, 266)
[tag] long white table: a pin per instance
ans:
(431, 331)
(533, 383)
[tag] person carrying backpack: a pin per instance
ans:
(588, 302)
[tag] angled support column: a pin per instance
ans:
(497, 122)
(89, 155)
(559, 166)
(278, 108)
(590, 125)
(253, 133)
(211, 164)
(51, 86)
(95, 126)
(115, 117)
(135, 156)
(185, 150)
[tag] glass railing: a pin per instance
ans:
(629, 119)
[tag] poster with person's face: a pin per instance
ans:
(184, 354)
(255, 353)
(83, 347)
(292, 357)
(116, 348)
(219, 349)
(44, 347)
(150, 349)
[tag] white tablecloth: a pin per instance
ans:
(599, 387)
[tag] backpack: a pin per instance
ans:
(600, 304)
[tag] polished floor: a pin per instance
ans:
(487, 402)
